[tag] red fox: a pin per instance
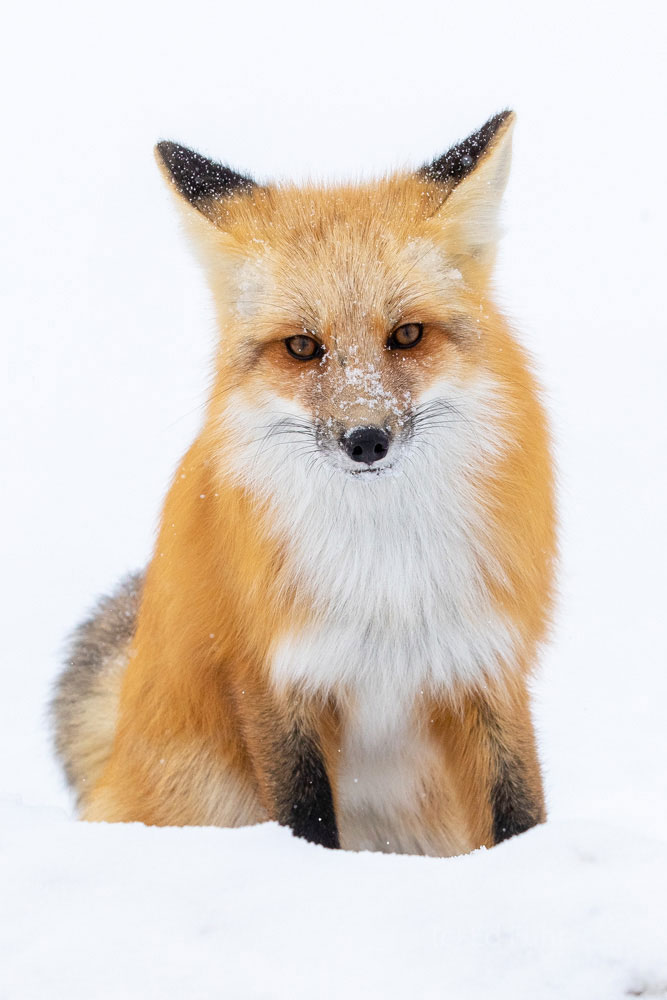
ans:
(354, 569)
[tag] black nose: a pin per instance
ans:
(366, 444)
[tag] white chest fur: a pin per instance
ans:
(398, 594)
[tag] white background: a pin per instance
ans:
(107, 330)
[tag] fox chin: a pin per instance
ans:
(354, 570)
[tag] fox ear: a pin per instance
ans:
(472, 176)
(201, 182)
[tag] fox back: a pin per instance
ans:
(354, 567)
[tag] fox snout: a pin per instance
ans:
(366, 444)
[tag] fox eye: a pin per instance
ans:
(304, 348)
(405, 336)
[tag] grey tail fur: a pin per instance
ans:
(84, 707)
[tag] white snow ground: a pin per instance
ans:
(132, 911)
(107, 329)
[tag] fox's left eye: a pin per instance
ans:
(405, 336)
(304, 348)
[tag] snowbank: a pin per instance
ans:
(566, 911)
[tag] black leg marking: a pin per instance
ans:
(512, 802)
(516, 801)
(306, 801)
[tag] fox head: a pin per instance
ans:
(353, 320)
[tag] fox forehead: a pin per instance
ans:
(333, 263)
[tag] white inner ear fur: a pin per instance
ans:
(433, 265)
(249, 281)
(239, 277)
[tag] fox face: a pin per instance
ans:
(348, 358)
(350, 319)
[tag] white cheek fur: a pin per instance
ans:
(433, 266)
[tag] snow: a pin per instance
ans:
(256, 913)
(107, 332)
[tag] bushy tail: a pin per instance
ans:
(84, 707)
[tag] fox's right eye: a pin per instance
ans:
(304, 348)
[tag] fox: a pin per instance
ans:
(353, 576)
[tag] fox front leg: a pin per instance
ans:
(302, 790)
(517, 799)
(515, 781)
(491, 740)
(285, 738)
(291, 770)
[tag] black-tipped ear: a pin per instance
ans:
(461, 160)
(199, 180)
